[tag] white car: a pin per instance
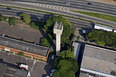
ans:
(52, 71)
(23, 66)
(51, 74)
(53, 56)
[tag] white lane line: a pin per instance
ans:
(12, 69)
(33, 65)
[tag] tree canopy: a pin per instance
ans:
(66, 54)
(12, 21)
(67, 27)
(25, 17)
(44, 42)
(102, 37)
(65, 68)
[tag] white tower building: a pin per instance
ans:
(58, 28)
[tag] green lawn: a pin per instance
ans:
(98, 15)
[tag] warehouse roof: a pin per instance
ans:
(99, 59)
(21, 45)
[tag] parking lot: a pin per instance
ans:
(37, 68)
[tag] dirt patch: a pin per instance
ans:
(24, 32)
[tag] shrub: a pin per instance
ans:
(12, 21)
(21, 53)
(25, 17)
(32, 24)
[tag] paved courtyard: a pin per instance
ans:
(37, 68)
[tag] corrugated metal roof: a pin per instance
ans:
(17, 44)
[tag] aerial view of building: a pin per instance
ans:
(57, 38)
(98, 61)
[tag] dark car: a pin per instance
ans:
(89, 3)
(8, 8)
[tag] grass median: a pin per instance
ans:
(98, 15)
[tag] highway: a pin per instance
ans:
(113, 24)
(79, 4)
(39, 16)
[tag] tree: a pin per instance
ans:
(21, 53)
(12, 21)
(102, 37)
(1, 16)
(6, 19)
(66, 54)
(66, 68)
(67, 27)
(44, 42)
(25, 17)
(32, 24)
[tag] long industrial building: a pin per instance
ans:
(29, 50)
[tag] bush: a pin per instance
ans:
(12, 21)
(6, 19)
(44, 42)
(21, 53)
(32, 24)
(25, 17)
(1, 16)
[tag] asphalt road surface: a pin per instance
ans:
(79, 4)
(40, 16)
(63, 12)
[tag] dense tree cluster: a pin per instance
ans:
(65, 67)
(102, 37)
(67, 54)
(67, 27)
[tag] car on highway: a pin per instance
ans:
(8, 8)
(67, 3)
(23, 66)
(89, 3)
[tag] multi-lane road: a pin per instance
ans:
(79, 4)
(39, 16)
(107, 8)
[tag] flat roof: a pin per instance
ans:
(21, 45)
(99, 59)
(103, 26)
(7, 71)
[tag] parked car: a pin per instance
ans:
(53, 56)
(52, 71)
(23, 66)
